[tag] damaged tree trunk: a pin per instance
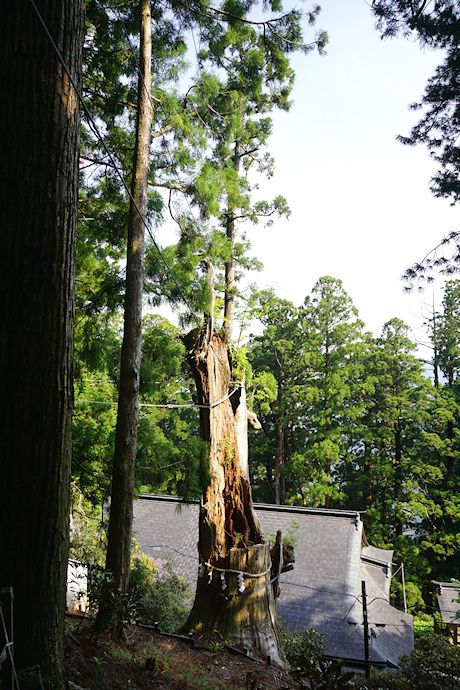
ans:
(239, 606)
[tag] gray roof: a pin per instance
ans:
(323, 591)
(447, 593)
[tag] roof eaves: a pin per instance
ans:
(302, 510)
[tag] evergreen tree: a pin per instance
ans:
(314, 354)
(440, 499)
(119, 536)
(434, 25)
(39, 143)
(258, 75)
(396, 413)
(331, 336)
(171, 456)
(276, 354)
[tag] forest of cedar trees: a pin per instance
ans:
(343, 418)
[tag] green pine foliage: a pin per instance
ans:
(358, 423)
(348, 420)
(171, 457)
(434, 25)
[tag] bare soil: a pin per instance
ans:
(149, 660)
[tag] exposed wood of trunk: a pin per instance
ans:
(121, 511)
(243, 419)
(39, 147)
(241, 430)
(227, 517)
(250, 620)
(228, 498)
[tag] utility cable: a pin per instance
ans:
(171, 406)
(111, 157)
(7, 648)
(117, 169)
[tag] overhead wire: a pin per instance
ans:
(204, 406)
(113, 163)
(95, 129)
(8, 648)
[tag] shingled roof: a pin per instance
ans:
(323, 591)
(448, 593)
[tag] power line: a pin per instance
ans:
(111, 157)
(8, 648)
(208, 406)
(119, 174)
(172, 165)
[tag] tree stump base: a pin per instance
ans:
(249, 618)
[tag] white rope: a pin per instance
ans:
(237, 572)
(166, 405)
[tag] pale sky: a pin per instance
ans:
(361, 206)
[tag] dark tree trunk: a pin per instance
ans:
(121, 504)
(280, 463)
(229, 300)
(367, 478)
(398, 483)
(39, 148)
(230, 535)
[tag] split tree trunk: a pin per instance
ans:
(230, 534)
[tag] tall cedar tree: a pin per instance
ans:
(441, 538)
(272, 355)
(40, 130)
(435, 25)
(279, 36)
(312, 420)
(121, 503)
(230, 535)
(331, 333)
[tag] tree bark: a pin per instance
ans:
(398, 483)
(279, 464)
(367, 478)
(230, 534)
(39, 147)
(121, 505)
(229, 300)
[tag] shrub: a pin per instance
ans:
(304, 651)
(303, 648)
(423, 623)
(88, 541)
(149, 599)
(165, 601)
(433, 665)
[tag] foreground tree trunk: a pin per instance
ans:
(230, 535)
(39, 148)
(121, 504)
